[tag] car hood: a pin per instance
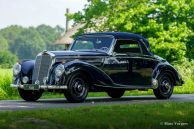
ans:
(92, 57)
(78, 53)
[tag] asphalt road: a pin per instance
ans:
(91, 101)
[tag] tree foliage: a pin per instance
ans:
(49, 35)
(3, 43)
(168, 24)
(26, 43)
(6, 57)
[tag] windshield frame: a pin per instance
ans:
(95, 36)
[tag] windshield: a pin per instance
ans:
(88, 43)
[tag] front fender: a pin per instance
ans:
(166, 67)
(97, 76)
(27, 68)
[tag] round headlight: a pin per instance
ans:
(16, 69)
(59, 70)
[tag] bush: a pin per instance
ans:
(2, 94)
(7, 59)
(5, 80)
(186, 70)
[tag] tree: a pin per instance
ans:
(3, 43)
(49, 34)
(7, 59)
(28, 44)
(10, 34)
(167, 24)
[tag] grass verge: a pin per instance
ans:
(129, 116)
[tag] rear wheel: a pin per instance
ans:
(115, 93)
(165, 86)
(30, 95)
(77, 89)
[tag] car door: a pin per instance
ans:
(129, 64)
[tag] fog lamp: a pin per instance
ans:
(25, 79)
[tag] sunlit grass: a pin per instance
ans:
(129, 116)
(5, 80)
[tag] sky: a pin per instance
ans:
(35, 12)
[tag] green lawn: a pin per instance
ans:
(129, 116)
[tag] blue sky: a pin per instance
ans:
(36, 12)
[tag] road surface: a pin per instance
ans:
(91, 101)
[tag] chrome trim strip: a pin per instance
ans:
(45, 87)
(129, 87)
(39, 67)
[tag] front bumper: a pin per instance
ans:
(38, 87)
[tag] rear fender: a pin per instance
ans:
(165, 67)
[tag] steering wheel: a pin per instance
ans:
(104, 48)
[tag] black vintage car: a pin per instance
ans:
(112, 62)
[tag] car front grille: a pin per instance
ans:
(41, 68)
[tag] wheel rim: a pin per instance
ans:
(166, 85)
(78, 86)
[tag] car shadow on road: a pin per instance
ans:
(101, 99)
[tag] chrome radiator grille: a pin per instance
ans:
(41, 68)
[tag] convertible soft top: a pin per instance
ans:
(120, 35)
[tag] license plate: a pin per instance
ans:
(31, 87)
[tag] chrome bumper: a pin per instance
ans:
(44, 87)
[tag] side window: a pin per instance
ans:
(127, 46)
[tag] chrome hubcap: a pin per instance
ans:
(165, 86)
(78, 87)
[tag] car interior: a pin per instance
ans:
(127, 46)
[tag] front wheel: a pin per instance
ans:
(30, 95)
(77, 89)
(115, 93)
(165, 86)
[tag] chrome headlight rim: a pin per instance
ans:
(16, 69)
(59, 70)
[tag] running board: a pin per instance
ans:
(129, 87)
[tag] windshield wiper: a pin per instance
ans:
(100, 50)
(97, 50)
